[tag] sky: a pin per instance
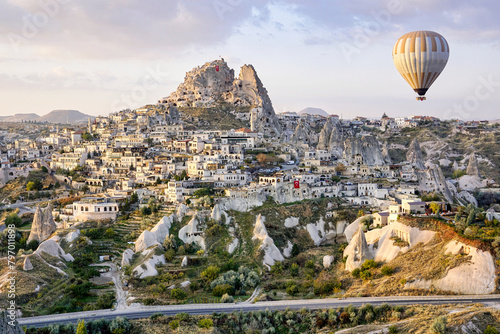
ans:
(100, 56)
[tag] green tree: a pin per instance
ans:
(174, 324)
(435, 207)
(13, 218)
(295, 250)
(34, 185)
(87, 136)
(368, 264)
(366, 275)
(294, 269)
(277, 268)
(81, 328)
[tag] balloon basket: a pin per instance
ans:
(421, 98)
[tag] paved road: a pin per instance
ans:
(196, 309)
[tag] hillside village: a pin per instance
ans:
(166, 202)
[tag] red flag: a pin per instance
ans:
(217, 68)
(296, 184)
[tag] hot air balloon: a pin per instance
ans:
(420, 57)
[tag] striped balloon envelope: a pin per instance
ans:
(420, 57)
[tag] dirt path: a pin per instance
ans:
(121, 295)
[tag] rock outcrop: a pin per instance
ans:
(52, 248)
(271, 252)
(217, 214)
(472, 167)
(368, 148)
(357, 251)
(127, 256)
(43, 224)
(156, 236)
(192, 233)
(433, 179)
(476, 276)
(148, 267)
(184, 262)
(319, 233)
(214, 82)
(327, 261)
(414, 155)
(330, 136)
(27, 265)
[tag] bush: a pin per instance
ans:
(276, 269)
(356, 273)
(490, 330)
(366, 275)
(368, 264)
(210, 273)
(223, 289)
(226, 298)
(205, 323)
(145, 211)
(387, 271)
(294, 269)
(393, 329)
(292, 289)
(325, 283)
(439, 325)
(174, 324)
(178, 294)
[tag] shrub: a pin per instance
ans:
(368, 264)
(174, 324)
(178, 294)
(223, 289)
(356, 273)
(325, 283)
(490, 330)
(294, 269)
(205, 323)
(210, 273)
(226, 298)
(439, 325)
(366, 275)
(387, 271)
(292, 289)
(393, 329)
(276, 269)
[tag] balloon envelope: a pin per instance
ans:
(420, 57)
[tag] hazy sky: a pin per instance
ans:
(100, 56)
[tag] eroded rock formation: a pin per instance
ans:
(43, 224)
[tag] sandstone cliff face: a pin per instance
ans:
(414, 155)
(433, 179)
(472, 167)
(330, 136)
(357, 251)
(367, 147)
(43, 224)
(214, 82)
(271, 252)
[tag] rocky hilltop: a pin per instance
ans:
(214, 83)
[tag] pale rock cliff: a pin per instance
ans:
(127, 256)
(27, 265)
(414, 154)
(52, 248)
(192, 233)
(367, 147)
(472, 167)
(271, 252)
(476, 276)
(214, 82)
(357, 251)
(43, 225)
(156, 236)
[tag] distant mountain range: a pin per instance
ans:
(313, 111)
(55, 116)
